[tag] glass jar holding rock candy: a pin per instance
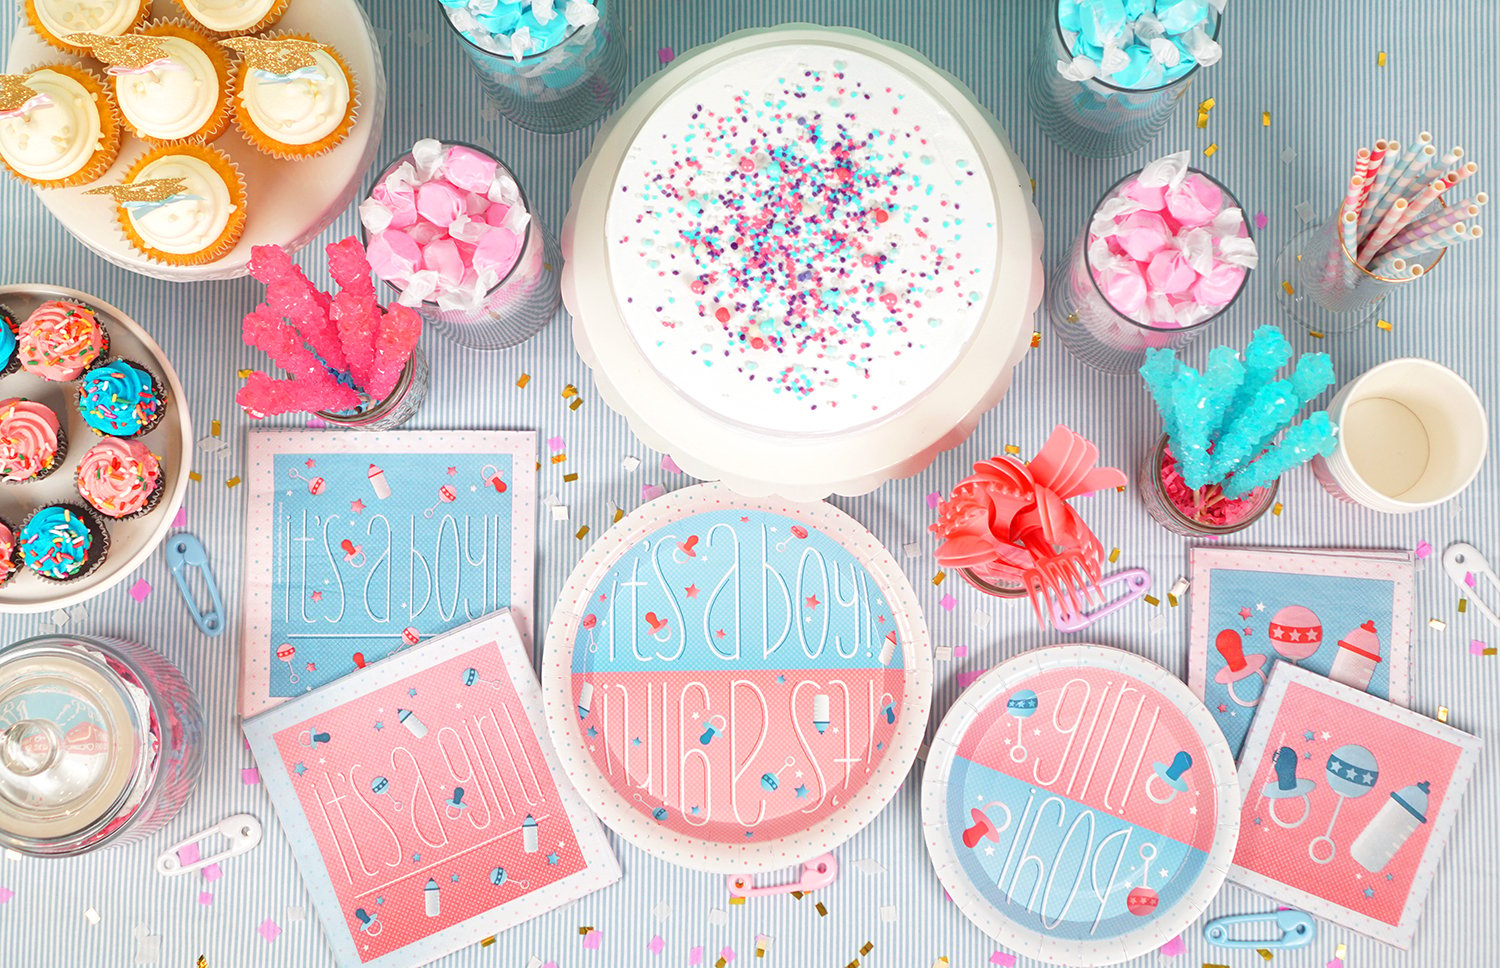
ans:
(450, 230)
(1166, 252)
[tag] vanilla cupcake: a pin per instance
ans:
(229, 17)
(61, 339)
(55, 20)
(57, 126)
(171, 83)
(120, 479)
(189, 206)
(33, 442)
(294, 97)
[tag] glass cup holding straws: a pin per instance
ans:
(1393, 228)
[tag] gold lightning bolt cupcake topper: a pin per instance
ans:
(17, 97)
(147, 191)
(136, 54)
(282, 57)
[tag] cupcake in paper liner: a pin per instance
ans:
(58, 127)
(121, 479)
(60, 340)
(10, 357)
(172, 83)
(55, 20)
(227, 18)
(33, 441)
(63, 542)
(294, 96)
(182, 205)
(121, 398)
(11, 562)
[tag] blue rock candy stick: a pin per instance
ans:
(1252, 428)
(1313, 375)
(1265, 355)
(1194, 425)
(1224, 376)
(1159, 372)
(1311, 437)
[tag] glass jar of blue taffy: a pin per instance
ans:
(551, 65)
(1106, 75)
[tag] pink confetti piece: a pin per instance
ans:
(1424, 550)
(180, 521)
(966, 679)
(1469, 579)
(1260, 222)
(960, 652)
(592, 939)
(555, 443)
(695, 957)
(669, 465)
(948, 602)
(666, 55)
(188, 855)
(213, 872)
(1477, 647)
(141, 590)
(205, 898)
(6, 894)
(1002, 959)
(1336, 963)
(1174, 947)
(934, 499)
(650, 492)
(656, 945)
(250, 776)
(269, 930)
(728, 954)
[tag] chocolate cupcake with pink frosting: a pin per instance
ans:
(121, 479)
(60, 340)
(11, 561)
(33, 442)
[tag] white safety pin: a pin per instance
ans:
(1467, 567)
(241, 830)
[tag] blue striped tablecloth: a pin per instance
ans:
(1313, 66)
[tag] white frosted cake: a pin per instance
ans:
(782, 253)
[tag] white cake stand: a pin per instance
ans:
(290, 202)
(801, 468)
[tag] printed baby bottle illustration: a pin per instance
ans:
(820, 713)
(1359, 653)
(1288, 786)
(1296, 632)
(1351, 773)
(1392, 827)
(1238, 665)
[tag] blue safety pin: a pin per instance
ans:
(185, 551)
(1297, 929)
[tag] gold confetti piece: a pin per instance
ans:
(1152, 600)
(585, 930)
(1463, 605)
(548, 266)
(619, 513)
(938, 578)
(867, 947)
(1207, 104)
(1442, 715)
(244, 374)
(1202, 120)
(1265, 119)
(524, 379)
(1114, 556)
(149, 190)
(1490, 651)
(736, 900)
(577, 402)
(569, 391)
(1380, 59)
(1012, 449)
(1341, 951)
(722, 962)
(798, 895)
(942, 962)
(853, 964)
(538, 465)
(1263, 953)
(1290, 291)
(1036, 340)
(582, 532)
(232, 482)
(194, 476)
(1209, 964)
(1120, 489)
(1277, 508)
(569, 478)
(1437, 624)
(1033, 186)
(133, 52)
(821, 909)
(215, 428)
(203, 961)
(1211, 150)
(1171, 600)
(280, 57)
(761, 941)
(1315, 334)
(1073, 317)
(1384, 324)
(559, 458)
(487, 941)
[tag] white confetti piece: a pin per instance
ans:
(631, 464)
(78, 613)
(559, 512)
(718, 917)
(91, 916)
(533, 962)
(888, 913)
(870, 866)
(60, 618)
(981, 619)
(47, 628)
(911, 549)
(12, 854)
(550, 500)
(1437, 624)
(1305, 212)
(148, 949)
(1180, 587)
(1288, 155)
(296, 914)
(209, 446)
(662, 911)
(1158, 622)
(943, 653)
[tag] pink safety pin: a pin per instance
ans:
(816, 873)
(1065, 619)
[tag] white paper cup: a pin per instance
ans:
(1412, 434)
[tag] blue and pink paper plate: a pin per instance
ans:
(1080, 805)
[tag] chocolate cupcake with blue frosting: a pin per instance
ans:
(10, 360)
(121, 398)
(63, 542)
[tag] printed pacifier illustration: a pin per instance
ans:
(1020, 705)
(454, 806)
(380, 786)
(315, 485)
(1296, 632)
(983, 828)
(1351, 773)
(1238, 666)
(1288, 786)
(446, 495)
(1142, 900)
(687, 548)
(353, 554)
(313, 738)
(798, 532)
(660, 631)
(1401, 816)
(368, 923)
(499, 878)
(888, 708)
(285, 651)
(714, 726)
(770, 782)
(1170, 774)
(489, 474)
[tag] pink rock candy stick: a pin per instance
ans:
(293, 296)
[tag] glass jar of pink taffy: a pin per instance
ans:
(449, 228)
(1166, 252)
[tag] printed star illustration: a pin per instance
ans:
(357, 506)
(553, 860)
(812, 602)
(300, 769)
(801, 792)
(692, 591)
